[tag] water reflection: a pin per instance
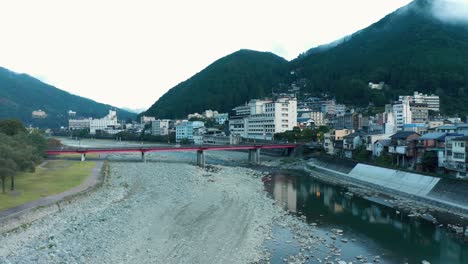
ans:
(403, 238)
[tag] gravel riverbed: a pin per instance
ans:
(154, 212)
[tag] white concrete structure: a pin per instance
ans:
(107, 124)
(432, 101)
(39, 114)
(160, 127)
(78, 124)
(237, 126)
(242, 111)
(340, 109)
(147, 119)
(376, 86)
(456, 151)
(402, 113)
(185, 130)
(195, 115)
(210, 114)
(268, 117)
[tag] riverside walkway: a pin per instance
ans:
(253, 150)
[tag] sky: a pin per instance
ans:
(129, 53)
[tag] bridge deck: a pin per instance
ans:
(165, 149)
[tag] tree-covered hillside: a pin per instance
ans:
(228, 82)
(20, 94)
(410, 50)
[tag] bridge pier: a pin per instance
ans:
(254, 156)
(83, 156)
(200, 158)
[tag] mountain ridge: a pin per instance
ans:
(20, 94)
(410, 49)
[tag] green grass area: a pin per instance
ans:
(55, 177)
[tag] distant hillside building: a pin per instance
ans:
(376, 86)
(147, 119)
(39, 114)
(71, 114)
(432, 101)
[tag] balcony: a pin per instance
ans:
(398, 149)
(455, 166)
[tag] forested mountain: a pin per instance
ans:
(228, 82)
(20, 94)
(410, 50)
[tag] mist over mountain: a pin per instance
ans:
(416, 48)
(20, 94)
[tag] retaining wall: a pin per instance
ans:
(453, 193)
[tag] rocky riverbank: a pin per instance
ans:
(169, 211)
(412, 206)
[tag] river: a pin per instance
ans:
(371, 231)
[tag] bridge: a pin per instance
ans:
(253, 150)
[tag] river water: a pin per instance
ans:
(372, 231)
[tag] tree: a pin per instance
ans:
(11, 127)
(429, 161)
(7, 169)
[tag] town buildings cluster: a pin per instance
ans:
(409, 132)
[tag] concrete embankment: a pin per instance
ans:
(446, 193)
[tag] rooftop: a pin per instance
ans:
(464, 138)
(433, 136)
(402, 134)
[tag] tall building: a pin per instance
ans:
(160, 127)
(185, 129)
(261, 119)
(402, 113)
(269, 117)
(107, 124)
(419, 113)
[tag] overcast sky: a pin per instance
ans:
(129, 53)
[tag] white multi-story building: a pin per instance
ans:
(432, 101)
(328, 107)
(268, 117)
(78, 124)
(243, 110)
(402, 113)
(317, 117)
(238, 122)
(108, 124)
(185, 129)
(456, 159)
(39, 114)
(147, 119)
(160, 127)
(340, 109)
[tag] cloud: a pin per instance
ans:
(452, 11)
